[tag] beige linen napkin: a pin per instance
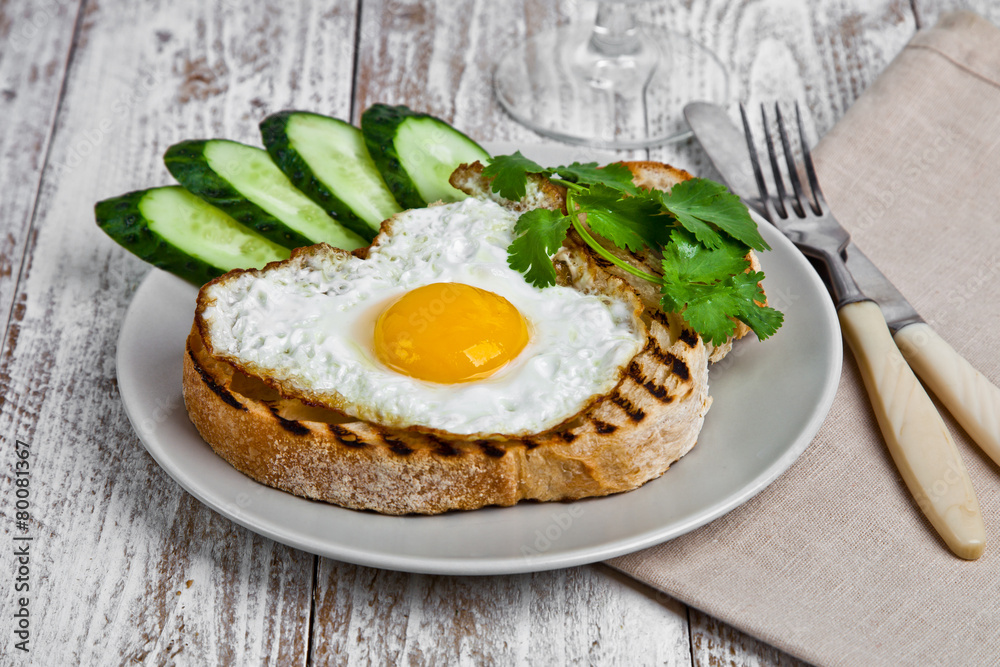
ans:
(834, 562)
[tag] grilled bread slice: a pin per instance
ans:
(620, 441)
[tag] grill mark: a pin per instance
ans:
(658, 392)
(292, 426)
(443, 447)
(398, 446)
(689, 337)
(529, 443)
(659, 316)
(678, 367)
(604, 428)
(490, 449)
(221, 392)
(634, 372)
(345, 437)
(567, 436)
(634, 413)
(653, 347)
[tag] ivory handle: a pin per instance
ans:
(972, 399)
(918, 440)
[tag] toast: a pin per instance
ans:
(621, 440)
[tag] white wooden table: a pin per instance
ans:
(126, 567)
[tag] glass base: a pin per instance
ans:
(559, 86)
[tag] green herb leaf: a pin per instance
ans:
(703, 229)
(632, 222)
(703, 207)
(510, 174)
(764, 321)
(615, 175)
(710, 287)
(694, 263)
(541, 233)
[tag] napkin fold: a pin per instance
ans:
(834, 563)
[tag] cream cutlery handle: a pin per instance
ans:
(972, 399)
(918, 440)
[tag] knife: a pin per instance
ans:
(968, 395)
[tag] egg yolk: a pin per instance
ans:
(449, 333)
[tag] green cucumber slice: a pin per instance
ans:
(244, 182)
(326, 159)
(417, 153)
(175, 230)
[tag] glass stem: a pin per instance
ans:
(615, 31)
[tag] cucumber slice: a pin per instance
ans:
(175, 230)
(244, 182)
(326, 159)
(416, 153)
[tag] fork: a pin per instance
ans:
(917, 438)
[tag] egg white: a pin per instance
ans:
(309, 323)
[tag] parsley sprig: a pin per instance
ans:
(702, 230)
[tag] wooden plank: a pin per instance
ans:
(128, 567)
(36, 40)
(822, 54)
(439, 57)
(587, 615)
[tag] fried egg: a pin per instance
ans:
(431, 330)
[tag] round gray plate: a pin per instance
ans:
(770, 400)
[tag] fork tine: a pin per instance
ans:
(793, 173)
(819, 201)
(779, 183)
(765, 197)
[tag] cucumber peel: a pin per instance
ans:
(416, 153)
(327, 160)
(244, 182)
(178, 232)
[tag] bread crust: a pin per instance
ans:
(623, 440)
(619, 442)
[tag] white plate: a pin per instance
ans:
(770, 400)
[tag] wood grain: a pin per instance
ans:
(37, 40)
(822, 54)
(438, 58)
(587, 615)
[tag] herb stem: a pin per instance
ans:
(569, 185)
(603, 252)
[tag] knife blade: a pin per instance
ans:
(968, 395)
